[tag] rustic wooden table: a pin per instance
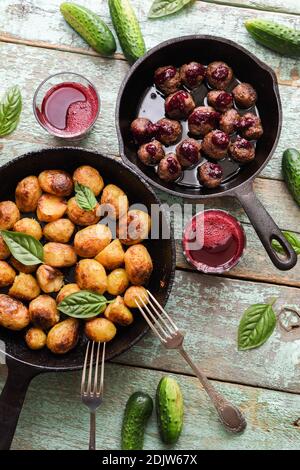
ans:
(265, 383)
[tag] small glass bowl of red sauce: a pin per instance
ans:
(213, 241)
(66, 105)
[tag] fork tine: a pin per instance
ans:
(84, 368)
(90, 369)
(162, 310)
(155, 331)
(102, 371)
(96, 370)
(155, 319)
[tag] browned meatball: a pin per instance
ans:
(244, 94)
(203, 120)
(220, 100)
(167, 79)
(188, 152)
(142, 130)
(219, 75)
(151, 153)
(169, 168)
(192, 74)
(168, 131)
(229, 121)
(215, 144)
(250, 126)
(179, 105)
(210, 174)
(242, 150)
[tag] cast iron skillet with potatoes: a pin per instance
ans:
(24, 363)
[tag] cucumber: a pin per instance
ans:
(90, 26)
(275, 36)
(127, 28)
(291, 172)
(138, 410)
(169, 409)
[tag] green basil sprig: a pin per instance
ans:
(85, 197)
(256, 325)
(83, 304)
(23, 247)
(161, 8)
(291, 238)
(10, 110)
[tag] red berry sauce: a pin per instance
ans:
(151, 149)
(161, 77)
(173, 166)
(215, 171)
(241, 143)
(203, 117)
(189, 151)
(224, 99)
(220, 139)
(177, 102)
(220, 73)
(194, 73)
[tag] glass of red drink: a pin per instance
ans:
(66, 105)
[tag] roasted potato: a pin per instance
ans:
(4, 251)
(114, 201)
(50, 208)
(25, 287)
(117, 281)
(7, 274)
(59, 255)
(138, 264)
(57, 182)
(23, 268)
(9, 215)
(133, 293)
(134, 227)
(117, 312)
(13, 314)
(64, 336)
(59, 231)
(43, 312)
(49, 279)
(90, 177)
(112, 256)
(90, 240)
(91, 275)
(35, 338)
(65, 291)
(81, 217)
(30, 227)
(28, 192)
(100, 330)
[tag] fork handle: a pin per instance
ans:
(92, 443)
(230, 416)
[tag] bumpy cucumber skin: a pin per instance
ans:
(291, 172)
(138, 410)
(169, 410)
(127, 28)
(90, 27)
(275, 36)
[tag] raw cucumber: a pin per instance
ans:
(90, 26)
(137, 412)
(291, 172)
(127, 28)
(275, 36)
(169, 409)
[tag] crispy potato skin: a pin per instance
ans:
(132, 294)
(28, 192)
(134, 227)
(43, 312)
(13, 314)
(118, 312)
(90, 240)
(91, 275)
(115, 201)
(81, 217)
(9, 215)
(138, 264)
(100, 330)
(50, 208)
(23, 268)
(25, 287)
(59, 255)
(117, 281)
(64, 336)
(50, 279)
(112, 256)
(59, 231)
(30, 227)
(90, 177)
(4, 251)
(65, 291)
(56, 182)
(7, 274)
(35, 338)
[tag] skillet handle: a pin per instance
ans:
(12, 398)
(266, 228)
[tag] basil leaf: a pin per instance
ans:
(85, 197)
(83, 304)
(23, 247)
(256, 326)
(291, 238)
(10, 110)
(161, 8)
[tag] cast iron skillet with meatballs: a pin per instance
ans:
(24, 363)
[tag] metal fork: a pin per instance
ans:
(165, 329)
(92, 387)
